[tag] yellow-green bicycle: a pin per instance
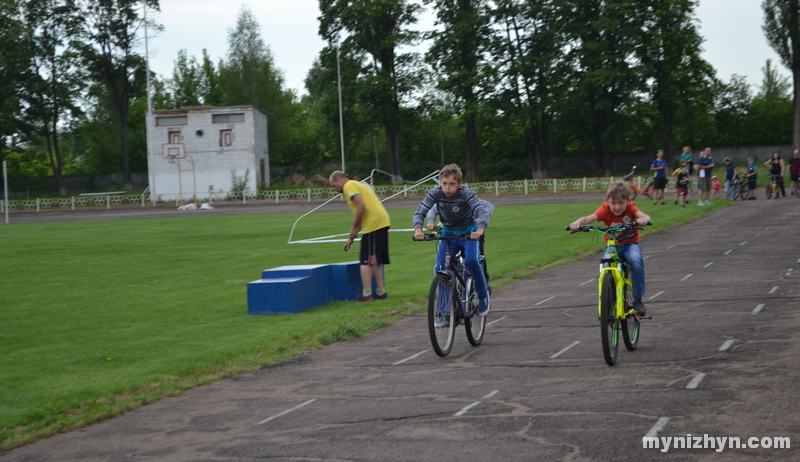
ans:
(615, 295)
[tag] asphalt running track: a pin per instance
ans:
(719, 358)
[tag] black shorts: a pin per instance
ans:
(375, 247)
(659, 182)
(795, 176)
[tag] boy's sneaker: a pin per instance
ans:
(655, 203)
(663, 203)
(683, 206)
(441, 322)
(638, 307)
(676, 202)
(483, 306)
(362, 298)
(381, 297)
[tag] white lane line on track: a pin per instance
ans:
(410, 357)
(496, 320)
(565, 349)
(696, 381)
(491, 394)
(662, 422)
(789, 272)
(798, 260)
(726, 345)
(726, 253)
(670, 247)
(687, 276)
(708, 265)
(743, 243)
(546, 299)
(656, 295)
(584, 283)
(773, 290)
(758, 308)
(466, 409)
(286, 412)
(645, 258)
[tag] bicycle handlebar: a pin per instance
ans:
(436, 237)
(606, 229)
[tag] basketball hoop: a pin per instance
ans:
(173, 151)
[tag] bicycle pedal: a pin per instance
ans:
(640, 317)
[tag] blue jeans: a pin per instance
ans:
(728, 190)
(471, 257)
(632, 253)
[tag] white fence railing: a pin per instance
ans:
(549, 185)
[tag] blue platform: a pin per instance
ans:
(295, 288)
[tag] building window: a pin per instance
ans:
(226, 138)
(171, 121)
(227, 118)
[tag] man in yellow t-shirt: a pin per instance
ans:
(372, 220)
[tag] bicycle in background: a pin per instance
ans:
(615, 295)
(452, 300)
(740, 189)
(635, 190)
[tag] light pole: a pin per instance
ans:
(341, 120)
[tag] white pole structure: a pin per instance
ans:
(150, 167)
(5, 188)
(341, 120)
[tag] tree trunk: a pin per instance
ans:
(796, 109)
(122, 121)
(393, 152)
(472, 149)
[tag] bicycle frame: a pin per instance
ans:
(461, 279)
(614, 266)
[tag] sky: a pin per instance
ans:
(734, 41)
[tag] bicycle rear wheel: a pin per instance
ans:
(769, 191)
(609, 327)
(630, 327)
(441, 322)
(474, 324)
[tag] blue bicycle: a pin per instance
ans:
(453, 300)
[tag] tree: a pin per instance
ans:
(532, 65)
(782, 29)
(672, 64)
(16, 45)
(457, 52)
(249, 76)
(378, 29)
(770, 112)
(187, 81)
(56, 82)
(607, 78)
(112, 27)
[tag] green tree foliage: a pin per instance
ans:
(782, 29)
(377, 28)
(457, 52)
(249, 76)
(676, 73)
(111, 56)
(56, 81)
(16, 53)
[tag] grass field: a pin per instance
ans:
(101, 317)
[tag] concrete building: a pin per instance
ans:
(197, 152)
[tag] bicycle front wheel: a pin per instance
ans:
(735, 192)
(441, 322)
(630, 327)
(769, 192)
(475, 325)
(609, 326)
(744, 193)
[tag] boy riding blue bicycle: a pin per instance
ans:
(457, 206)
(619, 209)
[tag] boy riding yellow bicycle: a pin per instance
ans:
(619, 209)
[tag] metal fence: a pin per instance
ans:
(550, 185)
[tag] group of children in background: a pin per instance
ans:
(709, 185)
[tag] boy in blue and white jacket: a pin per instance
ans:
(457, 206)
